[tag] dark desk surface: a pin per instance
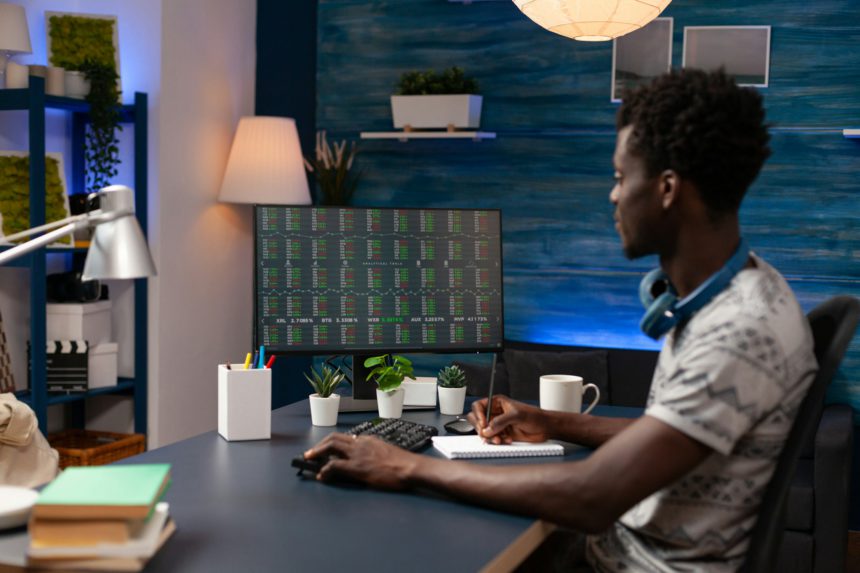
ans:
(239, 506)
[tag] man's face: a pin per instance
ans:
(637, 201)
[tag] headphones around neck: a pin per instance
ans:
(664, 310)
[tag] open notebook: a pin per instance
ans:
(467, 447)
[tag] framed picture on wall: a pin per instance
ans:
(744, 51)
(640, 56)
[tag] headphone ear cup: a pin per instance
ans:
(646, 286)
(655, 323)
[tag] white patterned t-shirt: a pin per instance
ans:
(733, 379)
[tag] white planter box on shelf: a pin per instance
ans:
(436, 111)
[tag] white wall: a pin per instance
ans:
(196, 59)
(202, 298)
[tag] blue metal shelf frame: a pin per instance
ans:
(35, 102)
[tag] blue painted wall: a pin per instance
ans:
(550, 172)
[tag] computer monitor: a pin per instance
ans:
(369, 281)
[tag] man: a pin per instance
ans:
(679, 488)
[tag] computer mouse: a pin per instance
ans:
(460, 426)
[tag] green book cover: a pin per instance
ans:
(126, 485)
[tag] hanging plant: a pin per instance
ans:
(101, 146)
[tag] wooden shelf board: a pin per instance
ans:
(123, 385)
(404, 135)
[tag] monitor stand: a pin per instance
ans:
(363, 397)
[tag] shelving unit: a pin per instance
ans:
(34, 101)
(404, 135)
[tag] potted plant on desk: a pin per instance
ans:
(452, 390)
(388, 371)
(325, 403)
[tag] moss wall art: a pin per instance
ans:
(75, 39)
(15, 193)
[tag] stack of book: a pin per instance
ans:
(101, 518)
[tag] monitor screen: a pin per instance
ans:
(350, 280)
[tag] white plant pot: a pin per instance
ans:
(436, 111)
(390, 404)
(77, 84)
(324, 410)
(452, 400)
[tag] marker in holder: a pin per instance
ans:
(244, 403)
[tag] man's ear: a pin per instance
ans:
(670, 188)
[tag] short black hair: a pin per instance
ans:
(703, 126)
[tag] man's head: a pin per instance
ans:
(688, 129)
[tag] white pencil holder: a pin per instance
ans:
(244, 403)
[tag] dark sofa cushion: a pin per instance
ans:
(800, 504)
(525, 367)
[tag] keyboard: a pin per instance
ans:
(408, 435)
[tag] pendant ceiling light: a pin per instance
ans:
(591, 20)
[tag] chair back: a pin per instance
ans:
(833, 323)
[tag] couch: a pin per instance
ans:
(816, 515)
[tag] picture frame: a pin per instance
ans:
(72, 38)
(743, 51)
(640, 56)
(15, 193)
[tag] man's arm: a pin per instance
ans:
(514, 420)
(588, 495)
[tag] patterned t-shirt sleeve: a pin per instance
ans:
(728, 376)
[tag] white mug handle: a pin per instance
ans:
(596, 396)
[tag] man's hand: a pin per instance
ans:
(511, 421)
(365, 459)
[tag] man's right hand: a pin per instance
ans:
(511, 421)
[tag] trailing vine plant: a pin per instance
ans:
(101, 146)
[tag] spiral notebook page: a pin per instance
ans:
(468, 447)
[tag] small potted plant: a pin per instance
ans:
(452, 390)
(388, 371)
(331, 165)
(436, 100)
(324, 403)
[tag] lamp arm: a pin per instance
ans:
(41, 241)
(46, 227)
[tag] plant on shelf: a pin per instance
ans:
(101, 146)
(451, 81)
(436, 100)
(332, 168)
(325, 384)
(452, 390)
(388, 371)
(324, 403)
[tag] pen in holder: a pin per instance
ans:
(244, 403)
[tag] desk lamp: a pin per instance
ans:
(266, 164)
(14, 36)
(118, 249)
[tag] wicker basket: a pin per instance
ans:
(92, 448)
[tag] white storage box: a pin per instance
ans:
(244, 403)
(88, 321)
(420, 392)
(102, 365)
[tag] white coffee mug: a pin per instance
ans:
(563, 393)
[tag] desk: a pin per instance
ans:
(239, 506)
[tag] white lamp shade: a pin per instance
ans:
(591, 20)
(118, 248)
(266, 164)
(14, 34)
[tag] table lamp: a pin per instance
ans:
(266, 164)
(14, 36)
(118, 249)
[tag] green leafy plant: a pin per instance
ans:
(450, 81)
(324, 384)
(101, 146)
(388, 371)
(331, 166)
(451, 377)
